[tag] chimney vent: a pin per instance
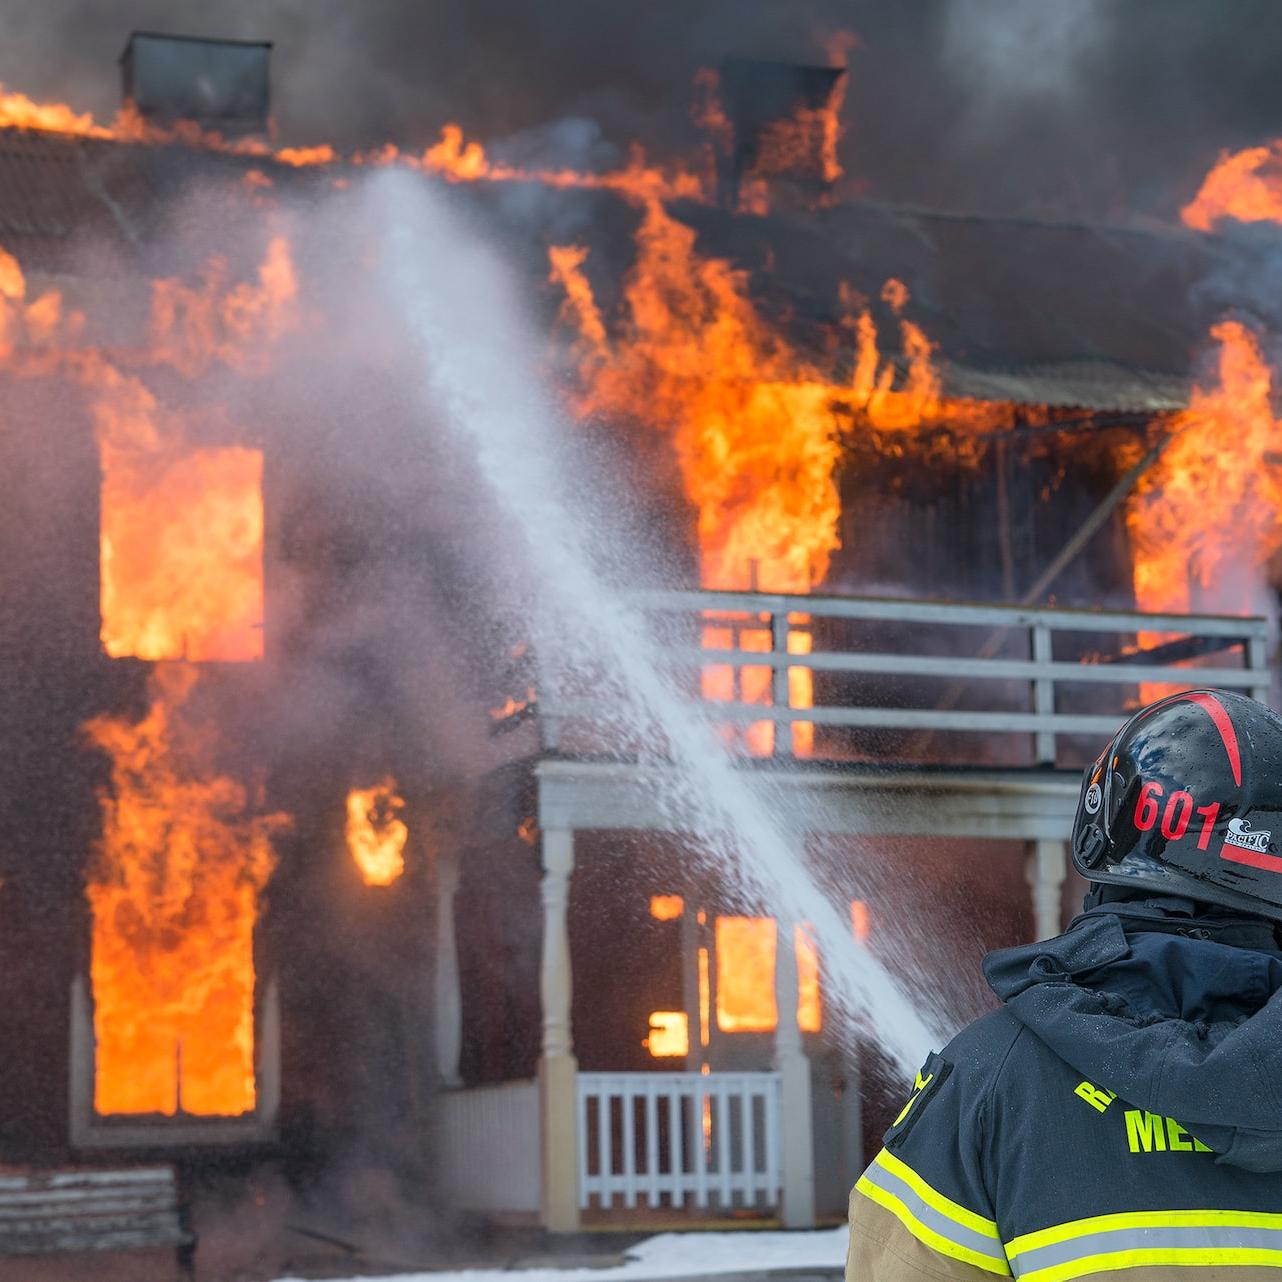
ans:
(221, 84)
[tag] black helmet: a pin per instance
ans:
(1187, 800)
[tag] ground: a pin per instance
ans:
(817, 1255)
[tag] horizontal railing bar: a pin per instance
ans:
(37, 1204)
(936, 666)
(887, 718)
(1003, 616)
(145, 1175)
(613, 1077)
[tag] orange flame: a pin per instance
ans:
(666, 907)
(1208, 514)
(453, 157)
(669, 1034)
(510, 706)
(27, 326)
(1245, 185)
(17, 111)
(458, 160)
(746, 976)
(376, 833)
(174, 892)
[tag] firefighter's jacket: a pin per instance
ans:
(1120, 1116)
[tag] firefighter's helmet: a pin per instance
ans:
(1187, 800)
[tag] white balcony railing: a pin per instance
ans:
(1028, 678)
(659, 1139)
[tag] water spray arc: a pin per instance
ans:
(481, 379)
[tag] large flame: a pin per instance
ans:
(1208, 514)
(174, 891)
(757, 427)
(376, 833)
(1245, 185)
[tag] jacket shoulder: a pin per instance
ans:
(980, 1051)
(924, 1207)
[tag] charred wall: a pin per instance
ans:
(954, 520)
(52, 678)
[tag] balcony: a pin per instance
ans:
(921, 719)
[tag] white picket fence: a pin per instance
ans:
(659, 1139)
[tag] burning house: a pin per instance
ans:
(308, 864)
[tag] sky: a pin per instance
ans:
(1105, 110)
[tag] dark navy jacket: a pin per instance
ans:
(1120, 1114)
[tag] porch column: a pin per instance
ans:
(797, 1140)
(558, 1069)
(1047, 869)
(448, 1002)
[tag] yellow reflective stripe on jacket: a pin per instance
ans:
(1128, 1240)
(933, 1219)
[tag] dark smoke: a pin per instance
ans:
(1082, 109)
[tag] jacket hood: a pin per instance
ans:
(1177, 1012)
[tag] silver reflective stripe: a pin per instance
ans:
(1157, 1238)
(927, 1215)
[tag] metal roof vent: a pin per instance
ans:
(221, 84)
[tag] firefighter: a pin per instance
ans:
(1121, 1112)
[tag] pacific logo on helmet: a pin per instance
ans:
(1246, 845)
(1244, 837)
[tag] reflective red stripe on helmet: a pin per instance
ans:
(1219, 714)
(1256, 858)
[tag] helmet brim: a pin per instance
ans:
(1141, 873)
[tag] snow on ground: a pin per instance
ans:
(676, 1255)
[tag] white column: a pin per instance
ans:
(80, 1082)
(794, 1075)
(1047, 868)
(693, 937)
(558, 1069)
(448, 1000)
